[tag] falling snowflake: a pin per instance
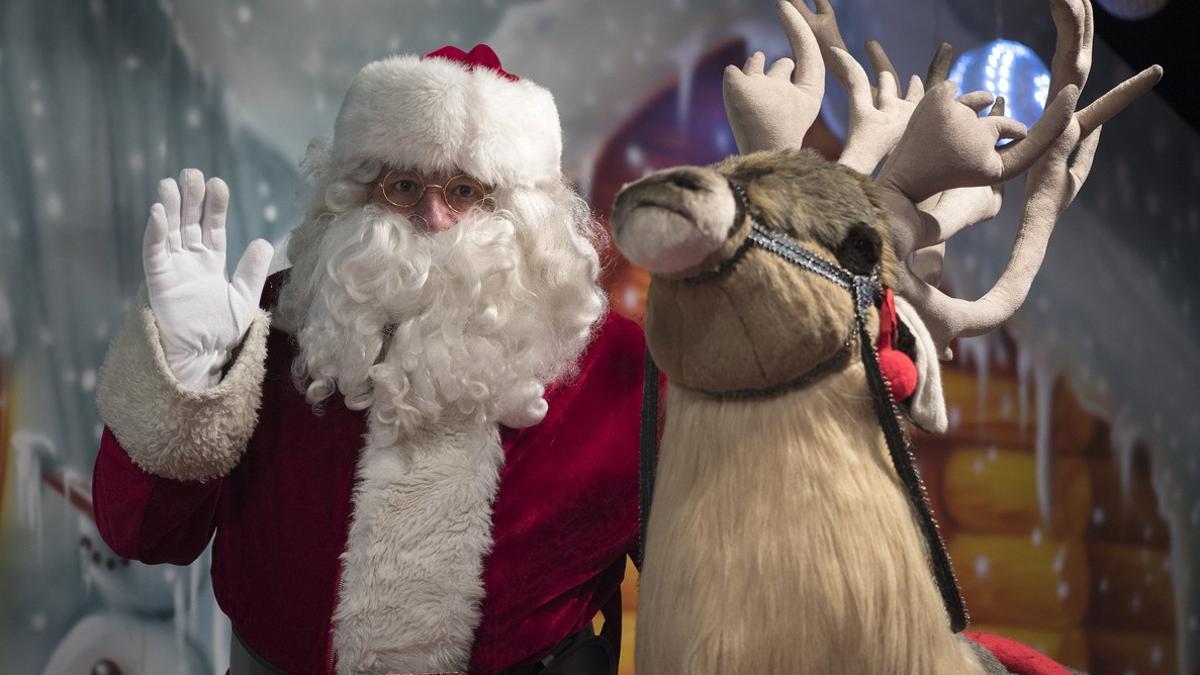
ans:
(132, 63)
(982, 566)
(1063, 590)
(39, 162)
(1098, 516)
(37, 108)
(88, 381)
(634, 156)
(54, 206)
(193, 118)
(1036, 537)
(270, 213)
(137, 162)
(244, 14)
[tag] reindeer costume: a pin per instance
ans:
(789, 532)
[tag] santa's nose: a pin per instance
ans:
(434, 212)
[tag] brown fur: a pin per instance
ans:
(780, 540)
(777, 321)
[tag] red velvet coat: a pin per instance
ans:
(564, 519)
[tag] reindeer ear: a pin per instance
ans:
(860, 250)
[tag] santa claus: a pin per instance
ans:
(417, 447)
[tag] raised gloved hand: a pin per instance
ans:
(201, 313)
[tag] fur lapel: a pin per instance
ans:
(412, 571)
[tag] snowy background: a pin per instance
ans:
(99, 99)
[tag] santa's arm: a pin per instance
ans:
(149, 518)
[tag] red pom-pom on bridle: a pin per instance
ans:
(480, 56)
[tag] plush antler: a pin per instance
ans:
(876, 122)
(773, 110)
(1052, 184)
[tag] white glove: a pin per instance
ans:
(523, 406)
(201, 314)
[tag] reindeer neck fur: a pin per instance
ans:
(781, 542)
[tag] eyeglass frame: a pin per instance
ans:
(383, 180)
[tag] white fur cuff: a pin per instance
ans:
(168, 430)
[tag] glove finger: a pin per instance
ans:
(216, 207)
(155, 253)
(191, 183)
(251, 272)
(168, 196)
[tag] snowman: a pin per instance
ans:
(148, 623)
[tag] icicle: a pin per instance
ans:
(195, 577)
(975, 350)
(1182, 527)
(1043, 381)
(1024, 370)
(35, 453)
(221, 636)
(8, 336)
(180, 611)
(686, 56)
(1124, 437)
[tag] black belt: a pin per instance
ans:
(583, 653)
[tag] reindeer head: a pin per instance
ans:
(722, 315)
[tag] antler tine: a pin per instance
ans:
(773, 109)
(823, 23)
(878, 115)
(1053, 182)
(955, 210)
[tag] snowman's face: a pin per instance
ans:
(124, 584)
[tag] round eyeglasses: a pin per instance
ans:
(405, 188)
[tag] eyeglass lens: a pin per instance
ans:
(406, 188)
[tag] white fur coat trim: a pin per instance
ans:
(166, 429)
(412, 583)
(928, 407)
(435, 114)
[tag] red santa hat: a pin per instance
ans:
(449, 110)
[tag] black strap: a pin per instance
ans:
(902, 459)
(648, 452)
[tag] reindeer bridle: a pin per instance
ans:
(866, 291)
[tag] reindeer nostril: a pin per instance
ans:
(681, 180)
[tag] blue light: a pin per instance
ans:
(1009, 69)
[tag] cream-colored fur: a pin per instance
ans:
(928, 405)
(780, 541)
(168, 430)
(412, 570)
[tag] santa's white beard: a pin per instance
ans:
(463, 325)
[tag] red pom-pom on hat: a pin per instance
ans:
(480, 56)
